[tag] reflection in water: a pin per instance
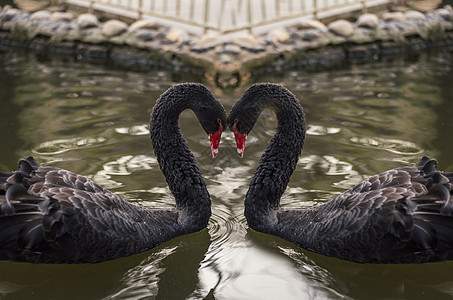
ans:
(443, 124)
(391, 145)
(124, 165)
(172, 273)
(134, 130)
(166, 272)
(322, 277)
(8, 122)
(321, 130)
(368, 281)
(297, 280)
(92, 120)
(330, 165)
(63, 145)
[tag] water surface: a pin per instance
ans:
(93, 120)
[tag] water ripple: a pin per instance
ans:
(321, 130)
(222, 225)
(124, 165)
(142, 281)
(134, 130)
(394, 146)
(63, 145)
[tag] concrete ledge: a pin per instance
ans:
(227, 61)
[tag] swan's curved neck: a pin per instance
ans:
(177, 161)
(277, 162)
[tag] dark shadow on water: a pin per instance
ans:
(180, 278)
(9, 122)
(169, 271)
(444, 122)
(363, 281)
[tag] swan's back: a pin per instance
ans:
(53, 215)
(403, 215)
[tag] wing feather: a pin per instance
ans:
(401, 215)
(49, 214)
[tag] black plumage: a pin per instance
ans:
(50, 215)
(404, 215)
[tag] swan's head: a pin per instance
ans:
(239, 136)
(213, 120)
(211, 115)
(194, 96)
(243, 117)
(214, 138)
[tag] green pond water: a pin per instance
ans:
(93, 120)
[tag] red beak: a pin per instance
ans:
(214, 141)
(240, 138)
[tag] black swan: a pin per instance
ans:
(403, 215)
(50, 215)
